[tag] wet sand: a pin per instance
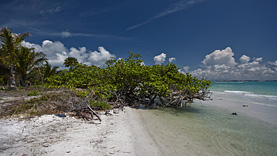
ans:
(208, 128)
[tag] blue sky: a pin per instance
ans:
(218, 39)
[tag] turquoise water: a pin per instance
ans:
(208, 128)
(207, 131)
(251, 87)
(248, 91)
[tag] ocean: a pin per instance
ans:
(254, 91)
(208, 128)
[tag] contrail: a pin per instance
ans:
(181, 5)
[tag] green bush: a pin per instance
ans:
(100, 105)
(82, 93)
(44, 98)
(34, 93)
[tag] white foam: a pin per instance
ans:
(274, 97)
(237, 92)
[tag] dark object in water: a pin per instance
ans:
(234, 113)
(61, 115)
(244, 105)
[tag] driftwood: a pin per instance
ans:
(82, 108)
(94, 113)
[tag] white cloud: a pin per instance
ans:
(50, 11)
(273, 63)
(99, 58)
(221, 65)
(186, 68)
(80, 54)
(259, 59)
(66, 34)
(159, 59)
(220, 57)
(244, 59)
(56, 53)
(171, 59)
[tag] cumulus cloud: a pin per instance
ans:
(244, 59)
(186, 68)
(99, 58)
(220, 57)
(56, 53)
(80, 54)
(221, 65)
(273, 63)
(159, 59)
(171, 59)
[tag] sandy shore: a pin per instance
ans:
(118, 134)
(205, 128)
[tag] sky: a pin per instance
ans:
(217, 39)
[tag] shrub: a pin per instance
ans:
(100, 105)
(44, 98)
(34, 93)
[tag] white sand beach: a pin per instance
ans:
(118, 134)
(204, 128)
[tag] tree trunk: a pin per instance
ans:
(12, 77)
(23, 81)
(40, 75)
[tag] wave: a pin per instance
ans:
(226, 82)
(251, 94)
(244, 96)
(237, 92)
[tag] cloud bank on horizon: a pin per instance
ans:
(221, 65)
(218, 65)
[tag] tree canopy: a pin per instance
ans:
(130, 81)
(15, 60)
(10, 50)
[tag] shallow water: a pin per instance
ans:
(208, 130)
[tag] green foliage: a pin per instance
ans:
(44, 98)
(130, 79)
(10, 50)
(82, 93)
(48, 70)
(4, 74)
(100, 105)
(70, 62)
(34, 93)
(23, 108)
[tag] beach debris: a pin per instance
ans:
(234, 113)
(61, 115)
(45, 144)
(244, 105)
